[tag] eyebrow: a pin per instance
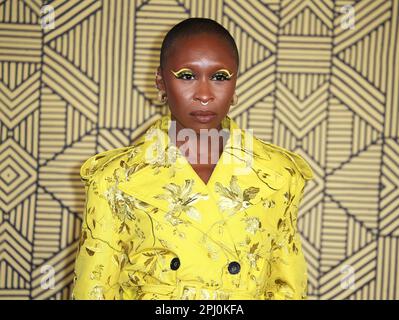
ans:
(188, 69)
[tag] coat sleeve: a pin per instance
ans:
(288, 278)
(97, 264)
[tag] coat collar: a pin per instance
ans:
(160, 175)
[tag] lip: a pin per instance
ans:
(202, 113)
(203, 116)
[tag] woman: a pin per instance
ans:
(186, 213)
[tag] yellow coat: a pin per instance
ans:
(152, 229)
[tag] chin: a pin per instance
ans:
(208, 125)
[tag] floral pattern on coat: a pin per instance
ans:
(146, 209)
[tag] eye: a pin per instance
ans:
(185, 76)
(221, 77)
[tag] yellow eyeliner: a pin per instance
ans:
(227, 71)
(177, 73)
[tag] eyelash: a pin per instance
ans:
(183, 74)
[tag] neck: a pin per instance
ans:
(199, 148)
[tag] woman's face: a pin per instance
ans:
(199, 69)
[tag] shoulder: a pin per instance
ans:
(286, 158)
(98, 162)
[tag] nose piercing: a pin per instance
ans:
(204, 104)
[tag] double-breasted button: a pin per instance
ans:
(234, 267)
(175, 263)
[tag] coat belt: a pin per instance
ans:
(197, 291)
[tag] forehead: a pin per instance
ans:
(201, 50)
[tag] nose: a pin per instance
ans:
(203, 92)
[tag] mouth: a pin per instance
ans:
(203, 116)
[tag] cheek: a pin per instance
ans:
(179, 94)
(224, 91)
(182, 93)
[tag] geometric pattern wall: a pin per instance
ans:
(318, 77)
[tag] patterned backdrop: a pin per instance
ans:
(318, 77)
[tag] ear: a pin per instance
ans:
(159, 80)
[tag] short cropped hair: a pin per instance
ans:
(196, 26)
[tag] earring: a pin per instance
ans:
(235, 99)
(162, 98)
